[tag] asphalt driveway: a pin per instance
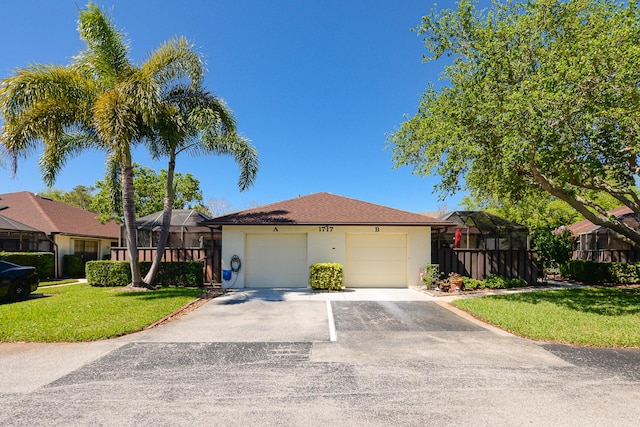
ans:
(366, 357)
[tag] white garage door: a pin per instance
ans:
(376, 260)
(276, 261)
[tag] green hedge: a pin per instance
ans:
(118, 273)
(72, 265)
(493, 282)
(326, 276)
(42, 261)
(592, 272)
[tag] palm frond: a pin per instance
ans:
(59, 150)
(243, 152)
(35, 83)
(107, 49)
(173, 62)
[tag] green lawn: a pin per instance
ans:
(602, 317)
(84, 313)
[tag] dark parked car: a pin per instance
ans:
(16, 281)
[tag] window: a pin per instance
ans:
(87, 248)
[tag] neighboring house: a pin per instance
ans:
(378, 246)
(590, 237)
(481, 230)
(69, 230)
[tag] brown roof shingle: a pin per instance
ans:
(52, 216)
(325, 208)
(585, 226)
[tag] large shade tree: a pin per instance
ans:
(539, 97)
(101, 100)
(198, 123)
(149, 193)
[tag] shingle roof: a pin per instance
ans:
(8, 224)
(585, 226)
(52, 216)
(325, 208)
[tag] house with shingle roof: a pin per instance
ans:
(276, 244)
(68, 229)
(590, 238)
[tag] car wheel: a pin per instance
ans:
(20, 291)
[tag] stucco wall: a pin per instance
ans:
(328, 244)
(65, 246)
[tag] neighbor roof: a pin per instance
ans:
(55, 217)
(325, 208)
(8, 224)
(585, 226)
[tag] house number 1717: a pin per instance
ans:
(325, 229)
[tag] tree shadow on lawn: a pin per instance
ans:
(164, 292)
(598, 300)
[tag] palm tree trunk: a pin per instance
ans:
(166, 222)
(129, 210)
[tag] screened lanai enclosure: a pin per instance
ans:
(187, 241)
(481, 244)
(481, 230)
(185, 230)
(18, 237)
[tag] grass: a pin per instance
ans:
(84, 313)
(600, 317)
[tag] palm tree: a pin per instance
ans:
(197, 123)
(101, 100)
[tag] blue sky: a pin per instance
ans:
(315, 85)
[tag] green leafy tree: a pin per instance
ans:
(101, 100)
(554, 249)
(541, 99)
(80, 196)
(149, 195)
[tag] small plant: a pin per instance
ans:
(431, 275)
(472, 284)
(455, 281)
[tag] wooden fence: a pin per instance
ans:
(608, 255)
(480, 263)
(209, 257)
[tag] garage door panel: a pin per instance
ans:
(377, 254)
(276, 260)
(376, 260)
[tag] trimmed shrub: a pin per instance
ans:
(587, 271)
(601, 272)
(118, 273)
(42, 261)
(493, 282)
(624, 272)
(326, 276)
(108, 273)
(187, 274)
(72, 265)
